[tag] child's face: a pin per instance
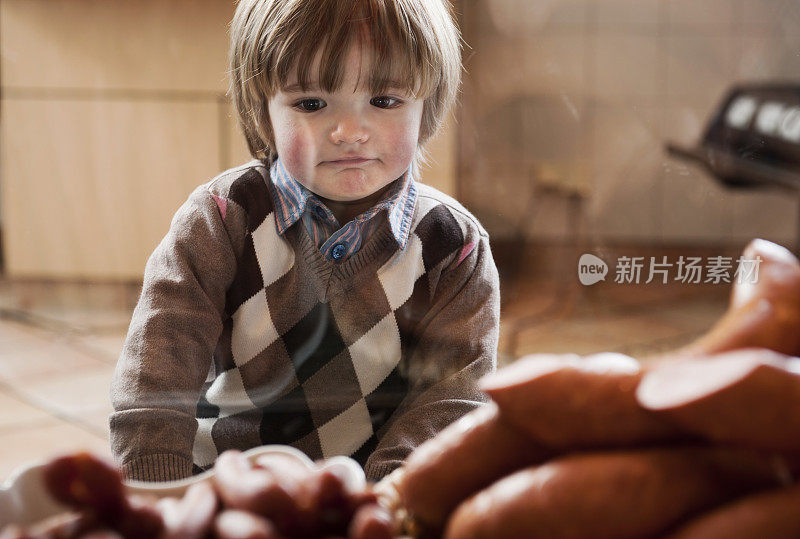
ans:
(349, 144)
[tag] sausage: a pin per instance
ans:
(276, 497)
(257, 490)
(746, 397)
(14, 531)
(464, 457)
(288, 467)
(371, 522)
(325, 505)
(323, 502)
(91, 485)
(764, 314)
(192, 516)
(233, 524)
(568, 402)
(86, 482)
(104, 533)
(363, 497)
(619, 495)
(141, 520)
(774, 513)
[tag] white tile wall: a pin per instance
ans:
(625, 66)
(695, 207)
(522, 17)
(699, 67)
(628, 15)
(674, 59)
(683, 122)
(565, 14)
(626, 156)
(550, 219)
(691, 16)
(768, 14)
(767, 57)
(502, 69)
(553, 64)
(771, 215)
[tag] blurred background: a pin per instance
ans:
(112, 112)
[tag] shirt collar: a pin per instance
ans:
(292, 200)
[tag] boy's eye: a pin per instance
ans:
(385, 102)
(310, 104)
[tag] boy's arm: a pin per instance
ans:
(456, 346)
(170, 343)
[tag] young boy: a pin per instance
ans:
(317, 296)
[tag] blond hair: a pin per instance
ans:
(414, 43)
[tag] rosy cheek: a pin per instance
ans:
(294, 151)
(408, 133)
(407, 147)
(404, 141)
(293, 147)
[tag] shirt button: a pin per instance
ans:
(338, 251)
(320, 211)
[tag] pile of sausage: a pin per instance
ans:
(274, 498)
(700, 443)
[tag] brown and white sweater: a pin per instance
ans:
(244, 337)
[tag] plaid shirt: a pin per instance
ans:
(294, 202)
(244, 336)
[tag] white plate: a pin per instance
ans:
(24, 499)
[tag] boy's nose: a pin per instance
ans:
(349, 130)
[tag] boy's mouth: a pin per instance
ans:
(354, 160)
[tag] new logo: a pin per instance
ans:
(591, 269)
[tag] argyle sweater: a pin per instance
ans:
(244, 337)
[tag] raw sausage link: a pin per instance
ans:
(569, 402)
(770, 514)
(233, 524)
(764, 314)
(325, 505)
(259, 491)
(91, 485)
(84, 481)
(742, 398)
(463, 458)
(371, 522)
(613, 495)
(192, 516)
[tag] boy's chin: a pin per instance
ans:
(349, 191)
(349, 199)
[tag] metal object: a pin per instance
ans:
(753, 139)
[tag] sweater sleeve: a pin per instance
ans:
(457, 345)
(170, 343)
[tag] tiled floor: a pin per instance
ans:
(638, 320)
(59, 345)
(58, 348)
